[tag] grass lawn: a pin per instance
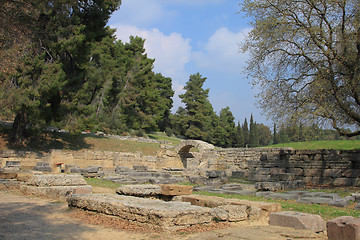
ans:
(312, 145)
(325, 211)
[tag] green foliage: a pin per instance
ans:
(305, 59)
(196, 118)
(73, 73)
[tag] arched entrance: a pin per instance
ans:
(192, 159)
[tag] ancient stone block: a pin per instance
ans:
(343, 228)
(56, 180)
(175, 190)
(204, 201)
(167, 215)
(140, 168)
(139, 190)
(56, 192)
(284, 196)
(8, 175)
(233, 213)
(24, 177)
(298, 220)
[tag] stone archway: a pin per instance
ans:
(188, 159)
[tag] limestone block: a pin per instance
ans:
(175, 190)
(56, 180)
(266, 207)
(24, 177)
(284, 196)
(168, 215)
(139, 190)
(56, 192)
(204, 201)
(233, 213)
(343, 228)
(9, 184)
(298, 220)
(8, 175)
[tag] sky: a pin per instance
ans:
(195, 36)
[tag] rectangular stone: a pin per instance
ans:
(168, 215)
(175, 190)
(8, 175)
(56, 180)
(56, 192)
(141, 190)
(298, 220)
(343, 228)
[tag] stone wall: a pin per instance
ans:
(83, 159)
(321, 167)
(325, 167)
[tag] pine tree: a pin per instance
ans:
(199, 111)
(239, 137)
(227, 123)
(245, 130)
(253, 135)
(52, 65)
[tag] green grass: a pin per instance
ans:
(325, 211)
(313, 145)
(96, 182)
(162, 137)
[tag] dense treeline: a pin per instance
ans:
(61, 66)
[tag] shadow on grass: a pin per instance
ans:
(50, 140)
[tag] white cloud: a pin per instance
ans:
(171, 53)
(222, 53)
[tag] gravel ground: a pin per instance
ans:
(27, 217)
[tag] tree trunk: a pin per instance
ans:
(19, 127)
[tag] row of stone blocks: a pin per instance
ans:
(57, 186)
(183, 211)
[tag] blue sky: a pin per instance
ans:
(190, 36)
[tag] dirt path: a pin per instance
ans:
(24, 217)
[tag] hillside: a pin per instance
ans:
(56, 140)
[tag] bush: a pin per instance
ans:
(169, 132)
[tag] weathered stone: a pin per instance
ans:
(168, 215)
(24, 176)
(140, 168)
(233, 213)
(298, 220)
(8, 175)
(56, 192)
(43, 167)
(139, 190)
(92, 169)
(12, 164)
(9, 184)
(343, 228)
(284, 196)
(204, 201)
(175, 190)
(265, 207)
(357, 206)
(56, 180)
(215, 174)
(356, 196)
